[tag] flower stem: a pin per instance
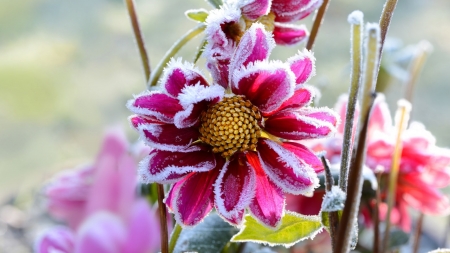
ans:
(174, 237)
(402, 117)
(385, 22)
(355, 178)
(316, 25)
(418, 233)
(356, 21)
(163, 220)
(139, 38)
(415, 67)
(332, 216)
(172, 51)
(376, 217)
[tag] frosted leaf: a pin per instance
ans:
(333, 200)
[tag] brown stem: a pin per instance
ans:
(333, 217)
(385, 22)
(376, 218)
(163, 220)
(139, 38)
(316, 25)
(418, 233)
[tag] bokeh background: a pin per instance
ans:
(67, 69)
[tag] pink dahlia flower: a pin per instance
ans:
(101, 207)
(424, 167)
(228, 148)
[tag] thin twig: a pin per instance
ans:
(356, 21)
(174, 237)
(316, 25)
(139, 38)
(333, 217)
(376, 217)
(418, 233)
(404, 108)
(171, 52)
(421, 52)
(163, 220)
(385, 22)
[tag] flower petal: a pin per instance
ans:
(154, 104)
(266, 84)
(168, 137)
(285, 169)
(303, 66)
(192, 200)
(293, 10)
(256, 8)
(58, 239)
(380, 118)
(305, 155)
(255, 45)
(302, 97)
(289, 34)
(302, 124)
(178, 75)
(167, 167)
(268, 204)
(137, 120)
(234, 188)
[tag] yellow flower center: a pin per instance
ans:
(230, 126)
(267, 20)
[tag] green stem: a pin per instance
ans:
(139, 38)
(174, 237)
(163, 220)
(402, 117)
(418, 233)
(172, 51)
(376, 217)
(385, 22)
(332, 216)
(316, 25)
(356, 21)
(415, 67)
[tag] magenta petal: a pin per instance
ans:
(256, 9)
(302, 124)
(293, 10)
(158, 105)
(168, 137)
(167, 167)
(302, 64)
(171, 195)
(193, 199)
(285, 169)
(101, 232)
(268, 204)
(58, 239)
(178, 75)
(302, 97)
(380, 118)
(266, 85)
(142, 229)
(255, 45)
(137, 121)
(234, 188)
(189, 116)
(288, 34)
(305, 155)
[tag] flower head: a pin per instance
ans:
(224, 145)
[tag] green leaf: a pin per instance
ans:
(210, 236)
(199, 15)
(293, 228)
(215, 3)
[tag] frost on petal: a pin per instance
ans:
(168, 137)
(190, 115)
(303, 66)
(293, 10)
(255, 45)
(306, 123)
(302, 97)
(198, 93)
(178, 75)
(266, 84)
(289, 34)
(167, 167)
(58, 239)
(101, 232)
(154, 104)
(192, 200)
(136, 121)
(305, 155)
(234, 188)
(380, 117)
(333, 200)
(256, 8)
(285, 169)
(268, 204)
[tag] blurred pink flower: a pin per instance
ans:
(108, 216)
(226, 150)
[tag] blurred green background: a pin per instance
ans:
(67, 69)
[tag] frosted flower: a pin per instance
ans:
(228, 148)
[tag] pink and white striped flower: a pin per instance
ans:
(224, 145)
